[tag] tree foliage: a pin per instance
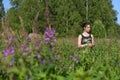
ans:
(2, 11)
(65, 15)
(98, 29)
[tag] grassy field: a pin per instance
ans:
(102, 62)
(98, 41)
(22, 59)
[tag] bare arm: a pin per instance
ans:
(92, 44)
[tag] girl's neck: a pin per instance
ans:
(84, 32)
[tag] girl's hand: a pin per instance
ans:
(90, 44)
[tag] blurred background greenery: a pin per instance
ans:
(65, 16)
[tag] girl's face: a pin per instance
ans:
(87, 28)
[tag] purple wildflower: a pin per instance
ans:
(42, 61)
(38, 55)
(47, 39)
(74, 58)
(25, 48)
(8, 51)
(11, 39)
(5, 53)
(28, 39)
(50, 35)
(22, 45)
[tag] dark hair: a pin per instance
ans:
(85, 24)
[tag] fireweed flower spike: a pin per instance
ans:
(50, 36)
(9, 51)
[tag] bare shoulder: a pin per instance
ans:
(80, 36)
(92, 35)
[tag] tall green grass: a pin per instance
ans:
(63, 62)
